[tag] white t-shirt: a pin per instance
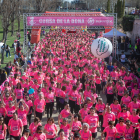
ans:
(16, 56)
(123, 58)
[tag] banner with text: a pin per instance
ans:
(70, 21)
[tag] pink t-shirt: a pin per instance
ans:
(134, 120)
(23, 116)
(85, 136)
(110, 133)
(124, 115)
(100, 108)
(108, 117)
(66, 129)
(93, 122)
(10, 111)
(84, 112)
(128, 133)
(120, 129)
(39, 136)
(49, 97)
(19, 93)
(115, 109)
(110, 90)
(74, 95)
(76, 125)
(65, 113)
(40, 105)
(133, 105)
(51, 129)
(121, 90)
(2, 131)
(126, 100)
(29, 138)
(3, 111)
(30, 104)
(33, 127)
(135, 92)
(15, 126)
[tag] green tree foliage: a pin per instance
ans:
(108, 6)
(127, 22)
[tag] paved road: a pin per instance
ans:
(55, 116)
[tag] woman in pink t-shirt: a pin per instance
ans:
(110, 131)
(100, 107)
(22, 113)
(57, 92)
(72, 98)
(135, 91)
(33, 126)
(39, 135)
(50, 129)
(3, 128)
(26, 135)
(76, 124)
(65, 126)
(110, 93)
(85, 132)
(124, 113)
(129, 131)
(115, 108)
(98, 83)
(49, 97)
(19, 92)
(61, 135)
(126, 99)
(134, 118)
(120, 127)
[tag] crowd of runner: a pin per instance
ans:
(64, 76)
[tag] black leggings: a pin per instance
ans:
(110, 98)
(77, 108)
(119, 98)
(29, 118)
(98, 88)
(49, 107)
(57, 104)
(15, 138)
(39, 115)
(72, 106)
(100, 120)
(25, 127)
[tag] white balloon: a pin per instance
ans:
(101, 47)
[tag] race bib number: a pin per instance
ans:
(50, 133)
(15, 128)
(50, 100)
(18, 94)
(128, 136)
(101, 110)
(110, 138)
(74, 98)
(10, 112)
(75, 128)
(92, 124)
(39, 106)
(1, 131)
(20, 117)
(0, 115)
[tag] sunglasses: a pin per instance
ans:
(121, 121)
(124, 109)
(39, 132)
(1, 120)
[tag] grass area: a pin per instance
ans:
(10, 40)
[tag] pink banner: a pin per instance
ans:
(70, 21)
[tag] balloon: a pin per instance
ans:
(101, 47)
(83, 30)
(63, 30)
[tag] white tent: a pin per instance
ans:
(110, 33)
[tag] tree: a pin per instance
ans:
(127, 22)
(119, 8)
(115, 11)
(123, 8)
(108, 6)
(7, 9)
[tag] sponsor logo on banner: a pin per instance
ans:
(103, 47)
(90, 21)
